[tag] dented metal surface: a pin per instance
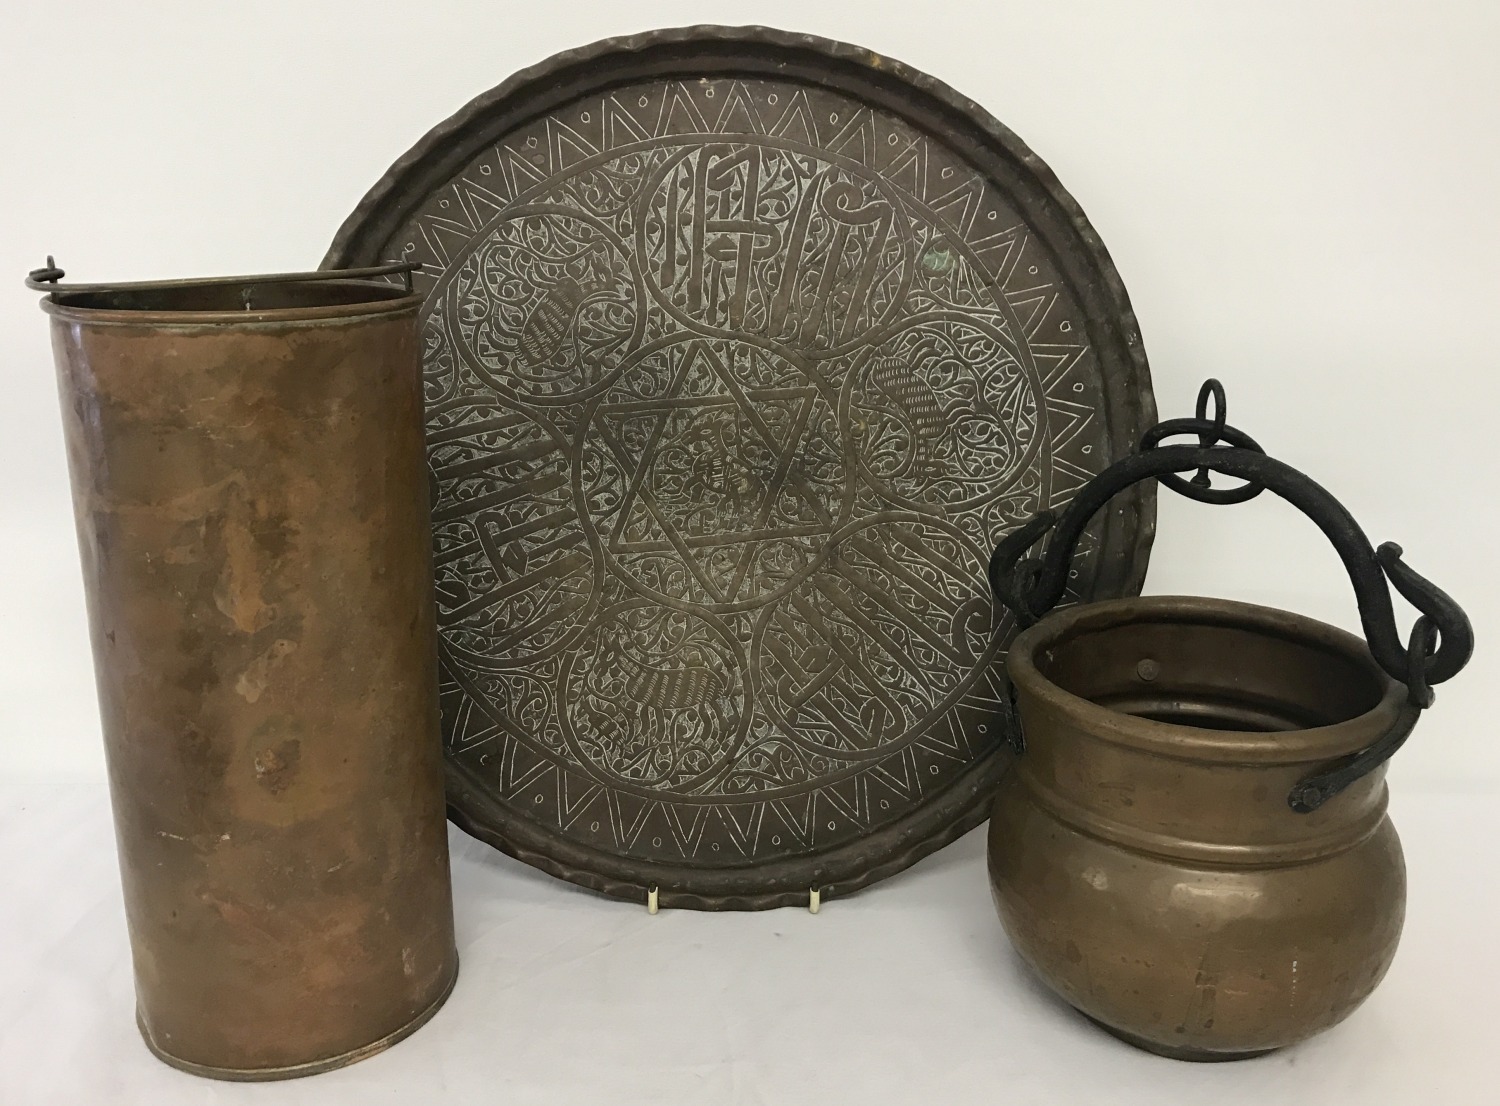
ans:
(251, 501)
(1194, 849)
(1142, 855)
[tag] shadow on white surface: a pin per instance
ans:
(904, 992)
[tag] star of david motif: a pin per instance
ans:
(792, 362)
(720, 464)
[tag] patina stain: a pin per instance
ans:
(268, 694)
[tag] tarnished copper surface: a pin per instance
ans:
(252, 508)
(1143, 855)
(742, 349)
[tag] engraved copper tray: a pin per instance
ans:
(742, 350)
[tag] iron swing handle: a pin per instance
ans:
(1440, 643)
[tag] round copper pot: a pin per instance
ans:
(250, 488)
(1142, 853)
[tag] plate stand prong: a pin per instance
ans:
(814, 900)
(651, 904)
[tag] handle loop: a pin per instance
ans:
(1441, 641)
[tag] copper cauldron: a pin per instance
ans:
(1193, 848)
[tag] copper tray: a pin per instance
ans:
(742, 350)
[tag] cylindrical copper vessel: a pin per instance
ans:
(1142, 853)
(250, 489)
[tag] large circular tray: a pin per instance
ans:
(742, 350)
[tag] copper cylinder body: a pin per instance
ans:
(249, 482)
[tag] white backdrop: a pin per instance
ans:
(1301, 196)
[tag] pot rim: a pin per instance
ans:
(1181, 742)
(379, 303)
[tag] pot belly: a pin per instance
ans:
(1191, 961)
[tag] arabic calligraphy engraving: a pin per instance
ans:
(731, 386)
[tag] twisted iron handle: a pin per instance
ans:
(1441, 641)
